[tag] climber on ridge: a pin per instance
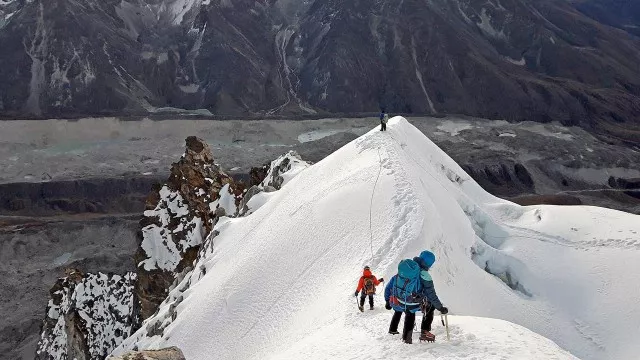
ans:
(412, 290)
(367, 284)
(430, 301)
(384, 118)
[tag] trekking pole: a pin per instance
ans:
(445, 323)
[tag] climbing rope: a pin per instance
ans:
(371, 205)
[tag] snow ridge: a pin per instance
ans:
(278, 283)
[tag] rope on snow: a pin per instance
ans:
(371, 205)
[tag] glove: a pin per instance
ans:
(444, 310)
(387, 306)
(381, 280)
(355, 294)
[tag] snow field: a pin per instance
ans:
(279, 283)
(471, 338)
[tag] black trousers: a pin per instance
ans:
(427, 320)
(362, 298)
(409, 322)
(383, 126)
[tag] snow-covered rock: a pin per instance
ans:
(270, 178)
(283, 169)
(178, 217)
(88, 316)
(279, 282)
(172, 353)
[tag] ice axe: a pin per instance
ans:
(445, 323)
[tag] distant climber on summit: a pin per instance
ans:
(384, 119)
(412, 290)
(367, 284)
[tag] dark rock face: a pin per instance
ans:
(630, 187)
(518, 60)
(507, 179)
(101, 195)
(622, 14)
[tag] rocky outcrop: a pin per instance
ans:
(88, 316)
(279, 172)
(283, 169)
(172, 353)
(504, 179)
(269, 178)
(179, 215)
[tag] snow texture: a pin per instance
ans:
(104, 303)
(227, 200)
(279, 283)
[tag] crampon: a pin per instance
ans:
(427, 336)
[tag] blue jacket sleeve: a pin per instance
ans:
(389, 288)
(429, 290)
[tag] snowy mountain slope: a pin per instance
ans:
(471, 337)
(282, 278)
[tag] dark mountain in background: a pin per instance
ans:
(544, 60)
(623, 14)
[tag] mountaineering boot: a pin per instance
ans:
(427, 336)
(394, 332)
(371, 307)
(408, 339)
(361, 308)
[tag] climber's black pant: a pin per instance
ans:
(407, 330)
(383, 126)
(427, 319)
(409, 322)
(395, 321)
(362, 298)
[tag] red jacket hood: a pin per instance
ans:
(366, 273)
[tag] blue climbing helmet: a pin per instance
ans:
(428, 258)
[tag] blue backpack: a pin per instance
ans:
(381, 115)
(408, 287)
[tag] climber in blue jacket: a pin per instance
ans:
(431, 301)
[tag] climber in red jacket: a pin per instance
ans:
(367, 284)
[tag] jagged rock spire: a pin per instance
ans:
(179, 215)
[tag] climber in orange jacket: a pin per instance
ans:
(367, 284)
